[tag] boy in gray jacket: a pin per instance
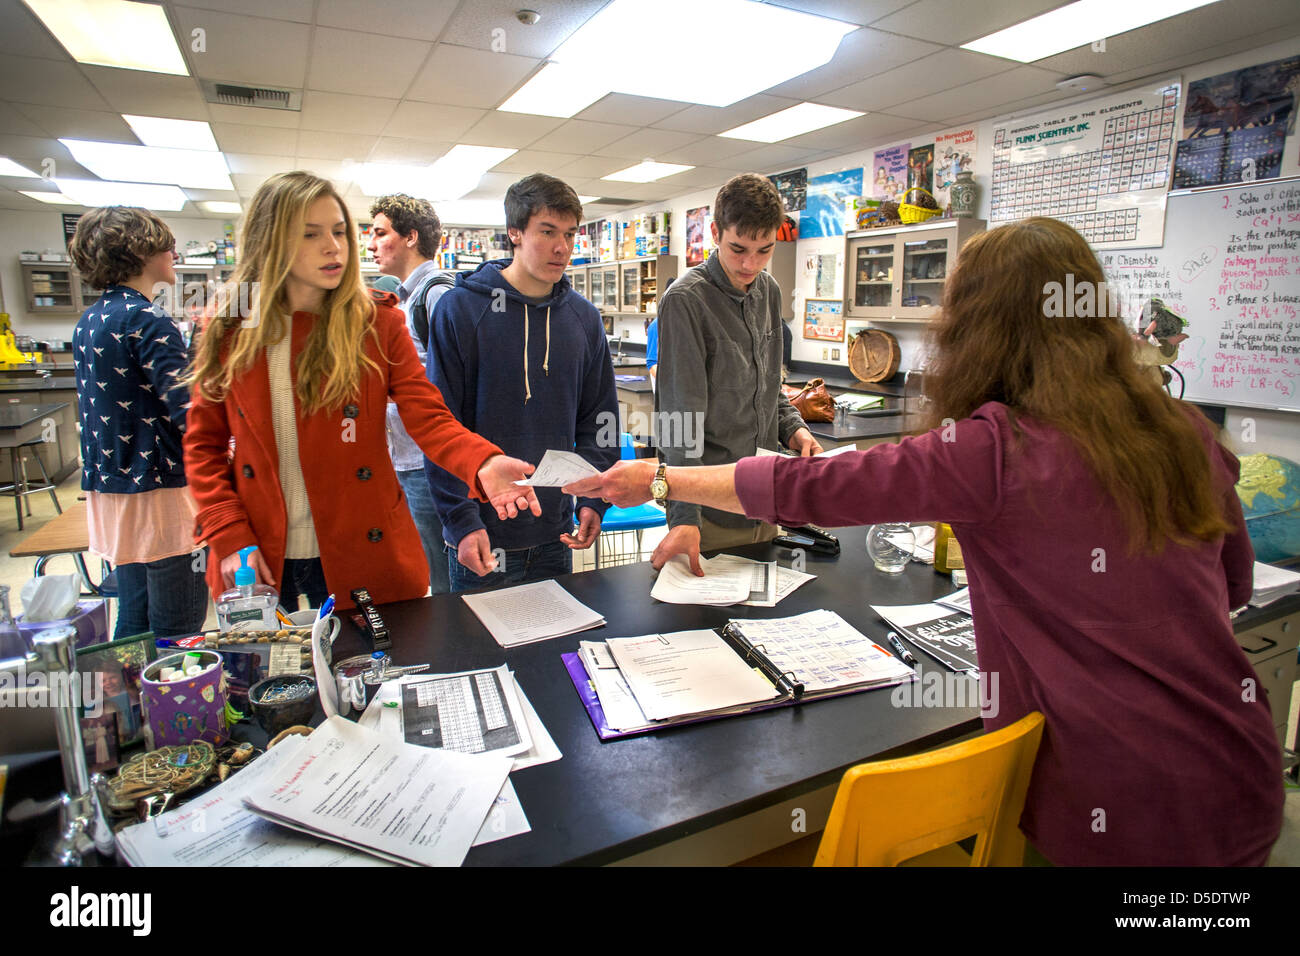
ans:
(719, 382)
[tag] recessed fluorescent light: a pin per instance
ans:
(191, 168)
(1075, 25)
(120, 33)
(226, 208)
(172, 133)
(586, 199)
(783, 124)
(556, 90)
(93, 192)
(455, 174)
(473, 212)
(796, 43)
(54, 199)
(9, 168)
(646, 172)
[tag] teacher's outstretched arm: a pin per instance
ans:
(628, 483)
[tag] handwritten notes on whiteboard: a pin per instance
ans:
(1231, 266)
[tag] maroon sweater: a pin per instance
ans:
(1150, 756)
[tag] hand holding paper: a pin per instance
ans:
(559, 468)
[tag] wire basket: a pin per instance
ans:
(617, 548)
(911, 213)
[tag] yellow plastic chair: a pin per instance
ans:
(915, 808)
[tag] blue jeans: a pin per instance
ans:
(168, 597)
(527, 564)
(302, 576)
(419, 499)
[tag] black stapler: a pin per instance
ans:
(809, 537)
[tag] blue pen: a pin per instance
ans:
(327, 608)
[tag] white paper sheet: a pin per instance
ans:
(216, 829)
(531, 612)
(724, 582)
(788, 581)
(960, 600)
(406, 803)
(622, 712)
(1271, 583)
(559, 468)
(688, 672)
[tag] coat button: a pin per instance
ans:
(363, 474)
(374, 534)
(350, 411)
(248, 471)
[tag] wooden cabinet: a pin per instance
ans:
(52, 288)
(578, 279)
(627, 286)
(897, 274)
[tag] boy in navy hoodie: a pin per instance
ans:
(521, 359)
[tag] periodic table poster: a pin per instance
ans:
(1102, 167)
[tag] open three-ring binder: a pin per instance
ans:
(637, 684)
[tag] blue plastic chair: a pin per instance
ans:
(621, 520)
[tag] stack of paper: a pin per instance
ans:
(857, 402)
(1272, 583)
(531, 612)
(407, 804)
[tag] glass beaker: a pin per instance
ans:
(890, 546)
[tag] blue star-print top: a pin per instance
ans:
(129, 355)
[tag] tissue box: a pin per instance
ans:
(91, 622)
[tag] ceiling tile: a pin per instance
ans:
(253, 116)
(637, 110)
(296, 10)
(942, 21)
(234, 138)
(393, 149)
(35, 152)
(1019, 106)
(148, 94)
(987, 95)
(465, 77)
(707, 151)
(414, 19)
(1194, 36)
(516, 130)
(862, 53)
(492, 25)
(249, 50)
(339, 172)
(246, 183)
(15, 122)
(703, 176)
(592, 167)
(25, 35)
(1162, 68)
(534, 161)
(850, 11)
(496, 184)
(768, 158)
(432, 121)
(256, 164)
(342, 113)
(319, 145)
(931, 74)
(387, 71)
(211, 195)
(25, 79)
(583, 136)
(716, 119)
(874, 128)
(80, 124)
(649, 143)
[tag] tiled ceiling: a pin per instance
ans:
(403, 81)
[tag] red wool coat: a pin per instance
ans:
(363, 527)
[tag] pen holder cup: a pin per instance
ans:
(180, 712)
(282, 702)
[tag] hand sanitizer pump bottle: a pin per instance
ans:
(248, 606)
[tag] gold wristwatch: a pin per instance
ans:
(659, 486)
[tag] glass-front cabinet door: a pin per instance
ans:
(609, 277)
(925, 267)
(595, 288)
(873, 273)
(578, 279)
(630, 280)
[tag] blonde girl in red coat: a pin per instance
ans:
(296, 365)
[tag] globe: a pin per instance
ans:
(1269, 490)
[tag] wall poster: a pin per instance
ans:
(953, 153)
(890, 178)
(695, 225)
(824, 213)
(1101, 166)
(823, 319)
(793, 187)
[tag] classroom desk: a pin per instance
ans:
(650, 798)
(63, 456)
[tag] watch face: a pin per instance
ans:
(659, 488)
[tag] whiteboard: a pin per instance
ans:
(1230, 265)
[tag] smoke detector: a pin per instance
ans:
(528, 17)
(1081, 84)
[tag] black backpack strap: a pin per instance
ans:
(419, 313)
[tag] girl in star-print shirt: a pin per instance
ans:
(129, 356)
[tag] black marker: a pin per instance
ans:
(903, 652)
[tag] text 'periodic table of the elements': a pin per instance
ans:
(1085, 173)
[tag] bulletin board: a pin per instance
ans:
(823, 320)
